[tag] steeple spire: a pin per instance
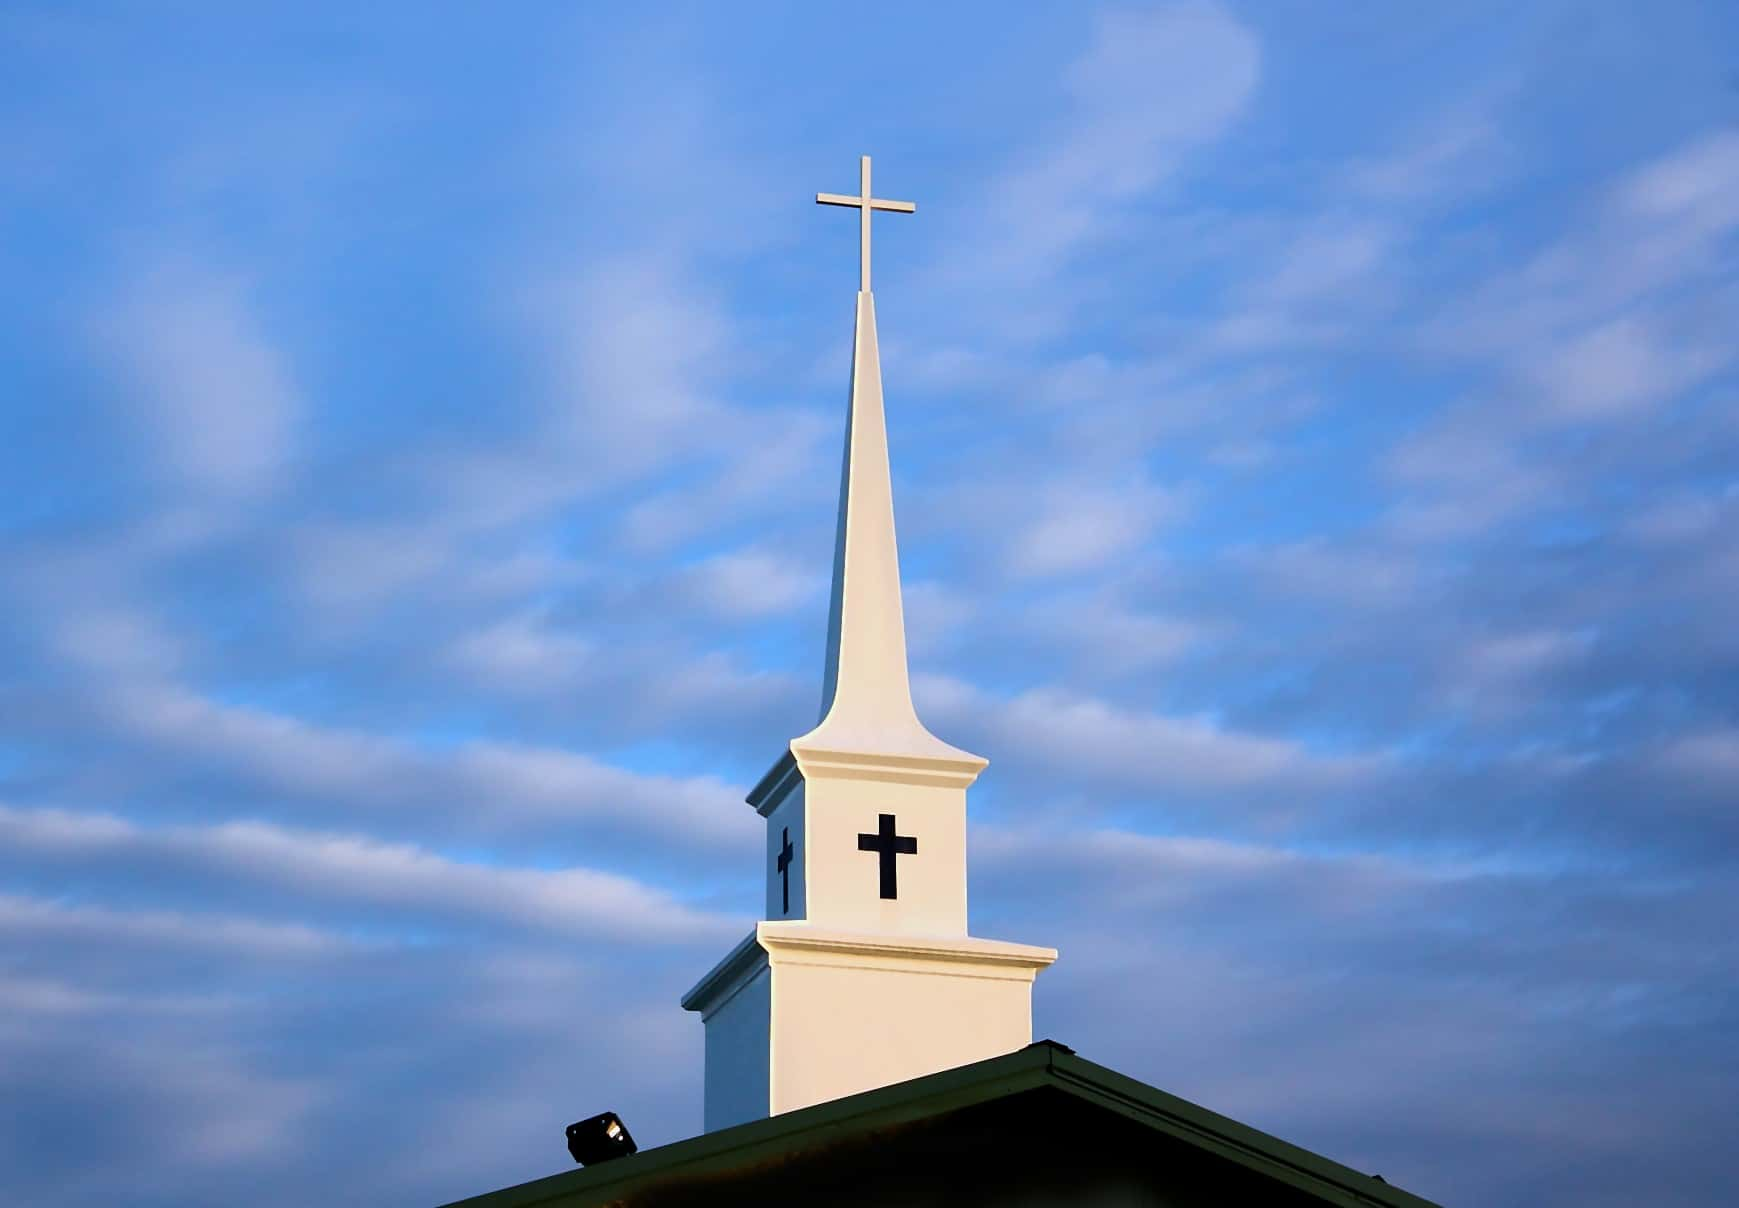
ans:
(866, 697)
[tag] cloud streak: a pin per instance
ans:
(395, 876)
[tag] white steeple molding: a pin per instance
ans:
(863, 974)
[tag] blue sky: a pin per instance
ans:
(1317, 471)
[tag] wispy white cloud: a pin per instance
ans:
(347, 568)
(1327, 263)
(1459, 153)
(1356, 575)
(1091, 741)
(639, 349)
(480, 785)
(113, 638)
(750, 481)
(1081, 526)
(1694, 190)
(1710, 756)
(1151, 86)
(214, 396)
(1680, 519)
(1613, 323)
(367, 872)
(753, 583)
(1619, 367)
(41, 920)
(524, 653)
(1598, 313)
(1061, 523)
(1499, 674)
(1121, 639)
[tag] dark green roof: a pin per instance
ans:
(1142, 1118)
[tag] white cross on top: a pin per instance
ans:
(865, 204)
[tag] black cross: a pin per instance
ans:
(889, 845)
(784, 863)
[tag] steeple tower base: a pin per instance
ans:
(797, 1014)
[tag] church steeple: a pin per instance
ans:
(863, 974)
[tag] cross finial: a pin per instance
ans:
(865, 204)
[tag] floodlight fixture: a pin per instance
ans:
(599, 1139)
